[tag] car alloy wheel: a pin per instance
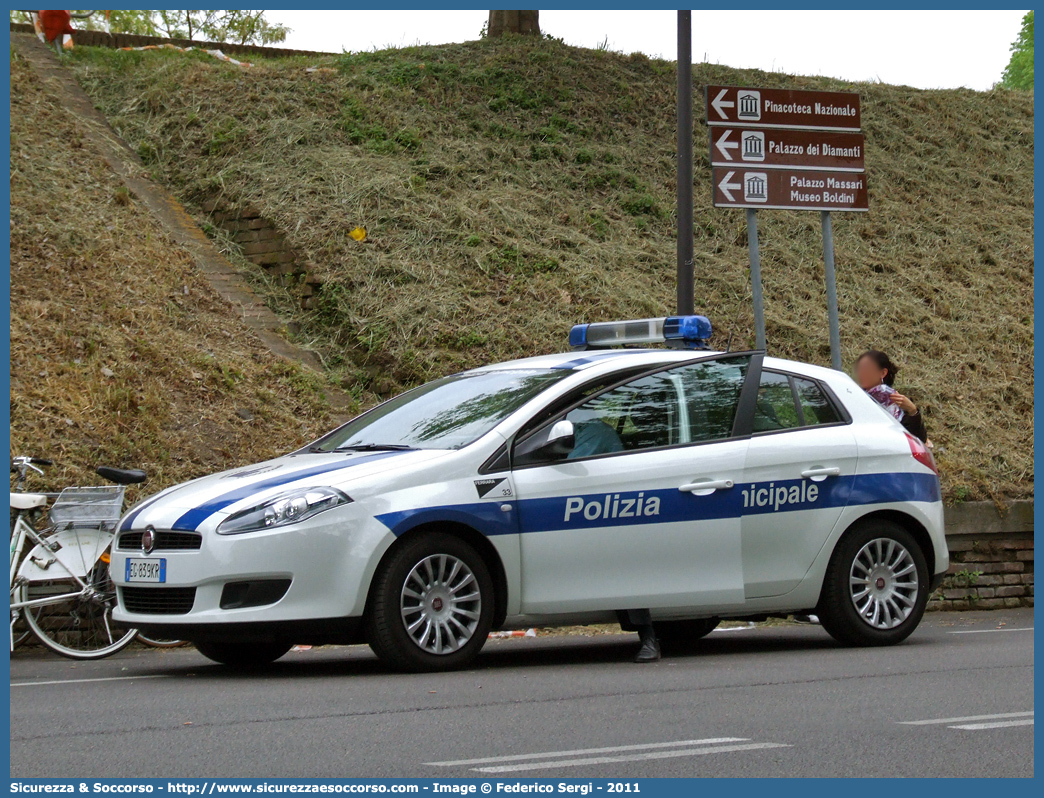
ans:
(883, 583)
(440, 604)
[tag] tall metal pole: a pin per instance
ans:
(755, 278)
(686, 288)
(831, 289)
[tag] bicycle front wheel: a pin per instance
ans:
(20, 633)
(77, 624)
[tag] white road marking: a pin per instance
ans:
(603, 760)
(84, 681)
(1001, 724)
(985, 631)
(586, 751)
(944, 721)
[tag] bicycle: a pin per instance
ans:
(59, 574)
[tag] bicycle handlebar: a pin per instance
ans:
(19, 461)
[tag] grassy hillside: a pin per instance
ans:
(120, 352)
(513, 188)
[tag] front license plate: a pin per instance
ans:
(138, 570)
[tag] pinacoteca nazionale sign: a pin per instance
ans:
(823, 110)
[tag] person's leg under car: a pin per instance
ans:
(649, 650)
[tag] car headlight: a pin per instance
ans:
(282, 510)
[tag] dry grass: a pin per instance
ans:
(121, 354)
(513, 188)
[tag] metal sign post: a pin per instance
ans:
(831, 290)
(755, 277)
(686, 278)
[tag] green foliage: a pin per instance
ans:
(1019, 72)
(137, 22)
(965, 578)
(237, 26)
(641, 204)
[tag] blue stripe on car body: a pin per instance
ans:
(129, 520)
(596, 356)
(673, 506)
(196, 516)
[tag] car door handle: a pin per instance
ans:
(812, 473)
(709, 485)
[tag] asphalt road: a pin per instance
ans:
(955, 700)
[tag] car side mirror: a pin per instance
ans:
(552, 443)
(561, 439)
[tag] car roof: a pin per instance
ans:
(610, 359)
(586, 359)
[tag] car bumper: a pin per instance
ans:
(309, 577)
(311, 631)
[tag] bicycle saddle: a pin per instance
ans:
(121, 476)
(27, 501)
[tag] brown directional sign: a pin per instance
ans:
(775, 149)
(789, 189)
(761, 108)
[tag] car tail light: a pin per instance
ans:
(921, 453)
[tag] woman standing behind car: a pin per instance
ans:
(875, 372)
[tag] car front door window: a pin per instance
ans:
(639, 415)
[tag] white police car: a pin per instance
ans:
(559, 489)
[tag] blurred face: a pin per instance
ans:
(868, 374)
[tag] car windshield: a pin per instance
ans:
(443, 414)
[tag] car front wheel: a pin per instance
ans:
(431, 605)
(876, 586)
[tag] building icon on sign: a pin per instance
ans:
(755, 187)
(749, 103)
(753, 146)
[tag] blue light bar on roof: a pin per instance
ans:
(688, 331)
(694, 329)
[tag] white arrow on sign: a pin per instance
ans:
(718, 104)
(725, 145)
(725, 185)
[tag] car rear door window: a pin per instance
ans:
(789, 402)
(776, 408)
(816, 408)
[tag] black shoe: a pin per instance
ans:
(649, 652)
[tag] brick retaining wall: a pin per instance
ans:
(991, 557)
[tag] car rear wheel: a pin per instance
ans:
(431, 605)
(242, 655)
(876, 586)
(683, 636)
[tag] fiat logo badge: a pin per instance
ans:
(148, 540)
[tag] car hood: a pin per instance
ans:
(188, 505)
